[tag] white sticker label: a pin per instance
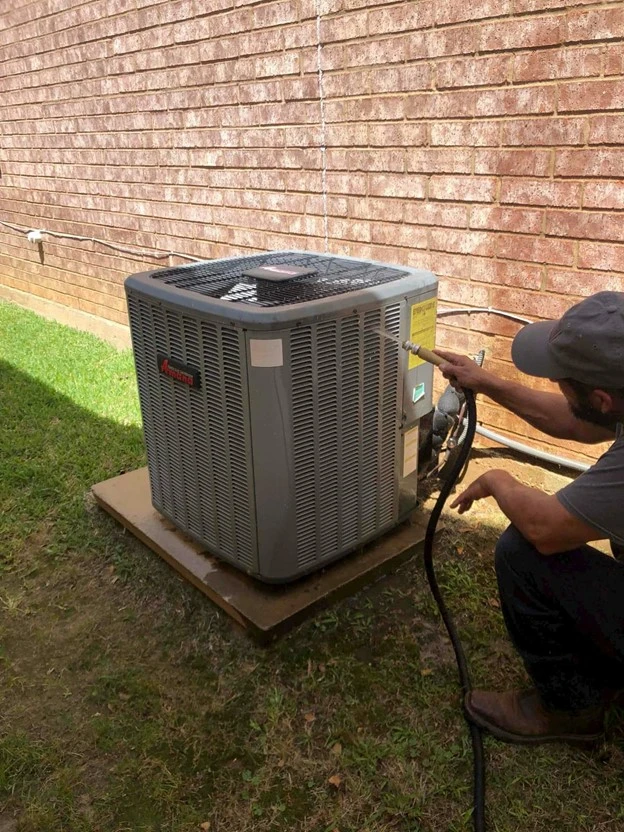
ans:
(266, 352)
(410, 451)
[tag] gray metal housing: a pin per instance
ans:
(297, 447)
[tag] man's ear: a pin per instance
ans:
(601, 400)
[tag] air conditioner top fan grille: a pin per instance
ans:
(225, 279)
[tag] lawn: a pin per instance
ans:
(130, 704)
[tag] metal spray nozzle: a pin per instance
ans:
(422, 352)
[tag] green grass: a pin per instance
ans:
(130, 704)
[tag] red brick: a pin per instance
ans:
(286, 64)
(465, 342)
(377, 108)
(539, 31)
(606, 195)
(403, 18)
(602, 256)
(366, 53)
(585, 225)
(386, 161)
(461, 242)
(582, 283)
(346, 229)
(295, 89)
(344, 27)
(400, 78)
(472, 72)
(504, 273)
(403, 236)
(513, 162)
(441, 42)
(495, 218)
(437, 214)
(253, 93)
(614, 59)
(449, 265)
(540, 192)
(463, 293)
(517, 101)
(550, 131)
(455, 11)
(438, 105)
(595, 162)
(462, 188)
(607, 129)
(433, 160)
(397, 185)
(272, 40)
(388, 210)
(397, 135)
(535, 249)
(465, 134)
(591, 95)
(531, 304)
(521, 6)
(340, 85)
(494, 324)
(552, 64)
(345, 135)
(294, 37)
(598, 24)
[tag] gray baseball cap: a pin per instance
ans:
(586, 343)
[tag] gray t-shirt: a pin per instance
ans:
(597, 495)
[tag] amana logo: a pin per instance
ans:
(177, 371)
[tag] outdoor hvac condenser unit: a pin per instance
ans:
(281, 427)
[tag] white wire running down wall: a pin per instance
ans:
(323, 146)
(37, 235)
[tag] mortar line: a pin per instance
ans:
(323, 125)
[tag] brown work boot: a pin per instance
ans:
(521, 716)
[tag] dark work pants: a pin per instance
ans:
(565, 616)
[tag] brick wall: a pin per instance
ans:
(480, 138)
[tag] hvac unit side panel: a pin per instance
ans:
(345, 409)
(271, 431)
(418, 380)
(198, 440)
(390, 417)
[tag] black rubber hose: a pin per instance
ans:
(460, 656)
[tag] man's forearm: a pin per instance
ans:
(548, 412)
(522, 505)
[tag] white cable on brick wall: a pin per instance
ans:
(323, 147)
(36, 235)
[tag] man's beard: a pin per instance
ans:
(584, 410)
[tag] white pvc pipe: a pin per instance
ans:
(485, 309)
(527, 449)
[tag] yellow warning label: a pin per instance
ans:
(422, 328)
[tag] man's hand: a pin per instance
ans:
(477, 490)
(462, 371)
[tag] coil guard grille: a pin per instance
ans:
(345, 383)
(224, 278)
(198, 441)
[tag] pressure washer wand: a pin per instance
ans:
(460, 657)
(422, 352)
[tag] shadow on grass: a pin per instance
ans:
(51, 452)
